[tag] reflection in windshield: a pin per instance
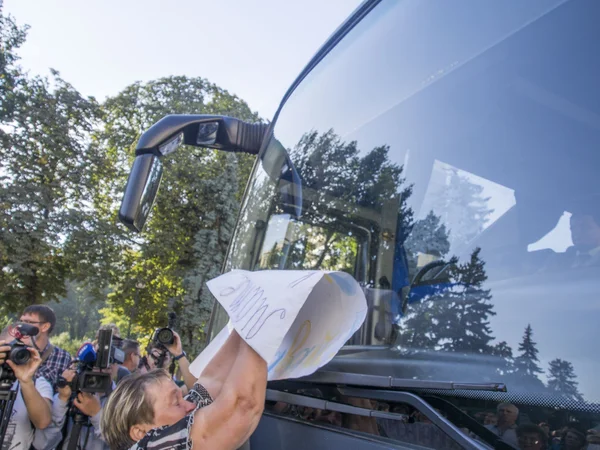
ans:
(458, 184)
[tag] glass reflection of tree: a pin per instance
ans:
(339, 184)
(343, 190)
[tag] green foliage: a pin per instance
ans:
(185, 240)
(66, 342)
(77, 312)
(48, 176)
(64, 160)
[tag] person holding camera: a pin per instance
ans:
(34, 398)
(148, 411)
(161, 355)
(87, 405)
(54, 359)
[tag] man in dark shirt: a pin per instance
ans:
(148, 411)
(55, 360)
(132, 359)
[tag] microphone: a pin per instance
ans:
(86, 353)
(24, 329)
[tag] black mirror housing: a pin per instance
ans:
(140, 191)
(164, 137)
(200, 130)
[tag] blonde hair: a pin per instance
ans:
(129, 405)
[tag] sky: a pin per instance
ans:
(253, 49)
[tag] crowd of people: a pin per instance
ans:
(147, 406)
(417, 429)
(531, 436)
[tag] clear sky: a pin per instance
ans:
(253, 49)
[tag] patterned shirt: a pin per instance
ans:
(58, 361)
(176, 436)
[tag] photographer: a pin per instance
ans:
(54, 360)
(160, 356)
(32, 405)
(147, 411)
(132, 359)
(89, 405)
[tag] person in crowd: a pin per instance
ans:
(157, 357)
(531, 437)
(132, 359)
(90, 405)
(571, 439)
(116, 333)
(55, 360)
(479, 416)
(33, 402)
(222, 410)
(490, 418)
(593, 439)
(544, 426)
(585, 234)
(507, 415)
(161, 358)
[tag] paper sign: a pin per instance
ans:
(295, 320)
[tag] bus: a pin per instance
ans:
(446, 156)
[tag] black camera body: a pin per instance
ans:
(163, 337)
(89, 376)
(18, 353)
(87, 379)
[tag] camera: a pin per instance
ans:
(163, 337)
(90, 362)
(18, 353)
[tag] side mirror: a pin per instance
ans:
(168, 134)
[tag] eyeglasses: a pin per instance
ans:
(31, 322)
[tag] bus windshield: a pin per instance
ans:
(448, 159)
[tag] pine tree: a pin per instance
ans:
(428, 236)
(526, 364)
(561, 379)
(456, 321)
(504, 361)
(459, 203)
(464, 321)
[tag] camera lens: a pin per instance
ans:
(19, 355)
(165, 336)
(94, 382)
(61, 383)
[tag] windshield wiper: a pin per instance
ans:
(378, 381)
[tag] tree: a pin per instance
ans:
(464, 321)
(428, 236)
(526, 364)
(561, 380)
(77, 312)
(186, 237)
(48, 176)
(339, 180)
(459, 203)
(504, 361)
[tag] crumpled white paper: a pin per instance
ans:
(295, 320)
